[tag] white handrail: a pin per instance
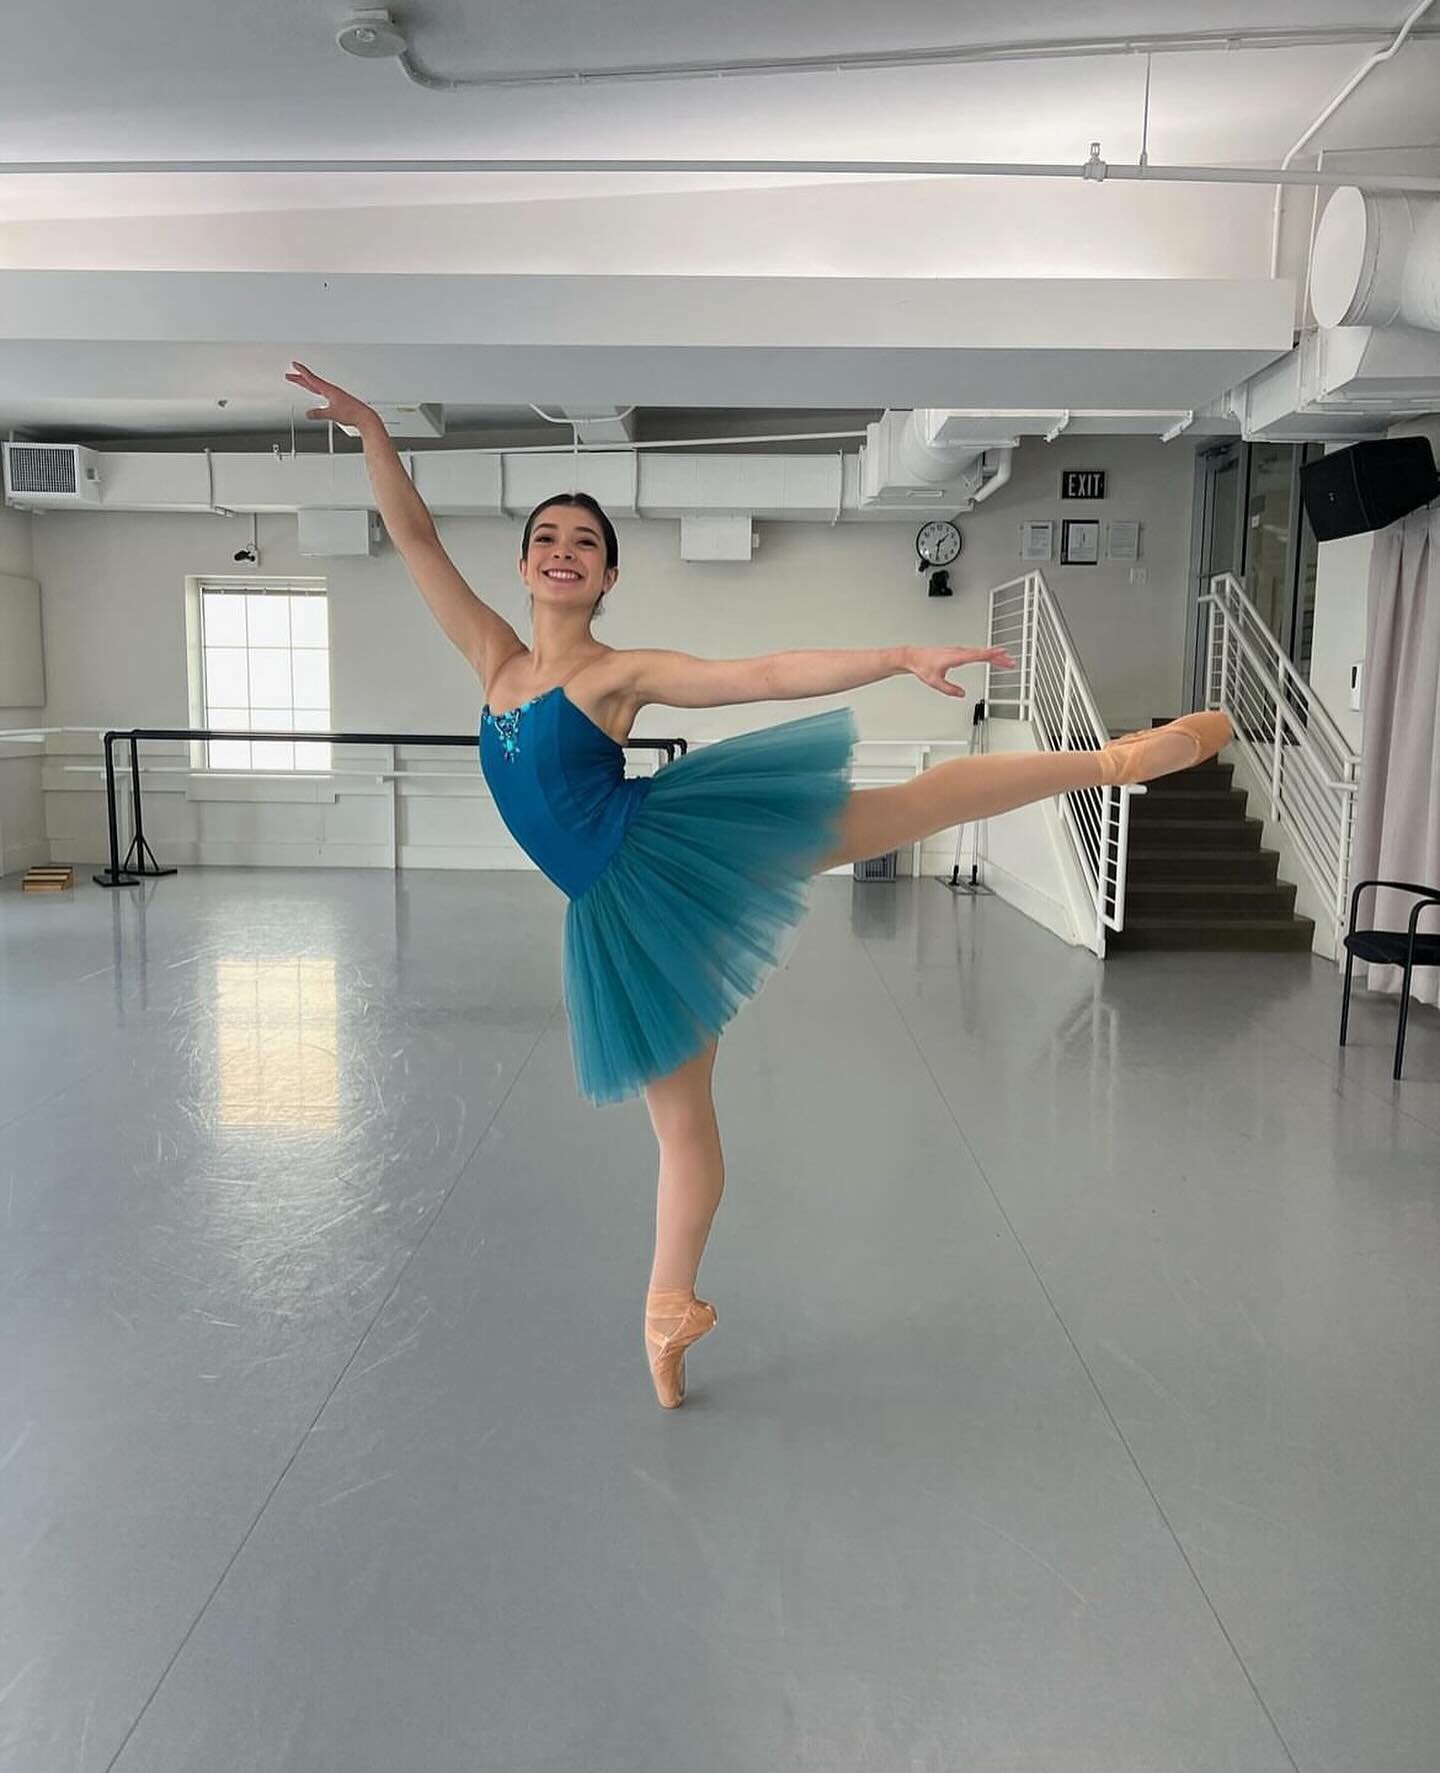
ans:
(1049, 690)
(1287, 737)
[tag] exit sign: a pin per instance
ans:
(1082, 483)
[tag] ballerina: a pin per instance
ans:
(682, 886)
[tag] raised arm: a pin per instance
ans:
(481, 633)
(680, 680)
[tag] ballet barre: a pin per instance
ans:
(140, 861)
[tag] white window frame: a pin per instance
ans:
(201, 714)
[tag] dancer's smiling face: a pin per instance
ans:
(567, 560)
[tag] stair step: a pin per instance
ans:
(1202, 778)
(1249, 934)
(1200, 834)
(1161, 801)
(1226, 899)
(1146, 864)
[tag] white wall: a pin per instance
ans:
(1130, 637)
(15, 548)
(115, 641)
(22, 832)
(1341, 591)
(1342, 571)
(1338, 642)
(1027, 857)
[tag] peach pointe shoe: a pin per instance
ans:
(1132, 758)
(673, 1321)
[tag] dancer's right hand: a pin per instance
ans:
(340, 408)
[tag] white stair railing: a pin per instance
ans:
(1048, 689)
(1287, 737)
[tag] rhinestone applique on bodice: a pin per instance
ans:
(507, 725)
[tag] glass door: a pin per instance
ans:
(1250, 522)
(1221, 493)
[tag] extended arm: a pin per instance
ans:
(681, 680)
(481, 633)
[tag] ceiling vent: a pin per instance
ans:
(406, 419)
(48, 474)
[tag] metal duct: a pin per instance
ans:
(1376, 261)
(914, 458)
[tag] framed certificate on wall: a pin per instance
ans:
(1079, 541)
(1124, 541)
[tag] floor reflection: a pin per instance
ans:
(276, 1042)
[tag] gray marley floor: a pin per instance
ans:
(1075, 1405)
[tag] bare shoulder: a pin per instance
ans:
(605, 689)
(613, 673)
(503, 663)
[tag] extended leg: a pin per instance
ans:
(970, 788)
(955, 793)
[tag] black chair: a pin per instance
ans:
(1397, 948)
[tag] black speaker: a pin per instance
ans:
(1367, 486)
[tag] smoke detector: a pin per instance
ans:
(372, 35)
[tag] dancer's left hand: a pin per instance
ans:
(930, 663)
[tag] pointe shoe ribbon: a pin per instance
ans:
(666, 1348)
(1139, 757)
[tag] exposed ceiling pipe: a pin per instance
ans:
(373, 35)
(917, 452)
(1094, 169)
(1339, 99)
(998, 478)
(616, 448)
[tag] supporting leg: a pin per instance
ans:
(692, 1169)
(692, 1179)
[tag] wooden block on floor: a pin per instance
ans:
(50, 879)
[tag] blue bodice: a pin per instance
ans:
(559, 783)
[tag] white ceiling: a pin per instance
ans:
(176, 79)
(196, 79)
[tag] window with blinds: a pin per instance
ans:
(266, 667)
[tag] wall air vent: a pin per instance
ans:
(51, 474)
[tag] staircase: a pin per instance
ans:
(1197, 877)
(1179, 865)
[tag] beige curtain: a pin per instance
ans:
(1397, 813)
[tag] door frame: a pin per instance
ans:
(1209, 462)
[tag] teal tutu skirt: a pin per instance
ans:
(694, 908)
